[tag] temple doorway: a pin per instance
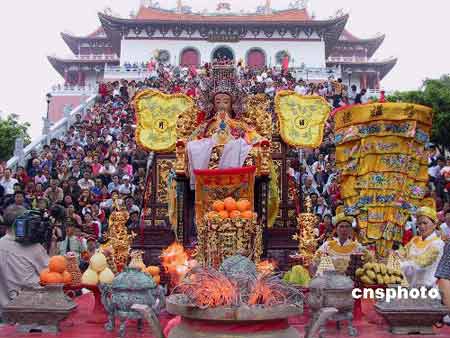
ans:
(190, 57)
(256, 58)
(223, 53)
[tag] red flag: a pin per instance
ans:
(285, 63)
(193, 70)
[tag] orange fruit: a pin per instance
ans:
(157, 279)
(43, 275)
(224, 214)
(218, 206)
(230, 204)
(235, 214)
(247, 214)
(243, 205)
(53, 278)
(153, 270)
(67, 277)
(57, 264)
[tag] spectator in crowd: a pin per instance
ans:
(72, 242)
(54, 193)
(352, 95)
(8, 182)
(444, 228)
(360, 98)
(86, 183)
(133, 222)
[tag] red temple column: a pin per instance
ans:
(378, 80)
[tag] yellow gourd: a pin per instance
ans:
(106, 276)
(98, 262)
(89, 277)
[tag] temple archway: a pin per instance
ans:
(190, 57)
(223, 53)
(256, 58)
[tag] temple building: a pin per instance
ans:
(316, 49)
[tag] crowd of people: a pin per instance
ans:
(80, 172)
(98, 155)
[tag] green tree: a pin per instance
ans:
(434, 93)
(10, 129)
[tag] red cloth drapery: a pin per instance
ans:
(285, 63)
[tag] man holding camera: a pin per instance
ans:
(20, 263)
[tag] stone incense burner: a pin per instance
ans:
(39, 308)
(411, 316)
(332, 290)
(130, 287)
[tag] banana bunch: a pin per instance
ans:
(379, 274)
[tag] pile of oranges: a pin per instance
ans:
(229, 208)
(56, 273)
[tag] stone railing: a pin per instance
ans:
(377, 93)
(125, 72)
(89, 57)
(348, 59)
(316, 74)
(63, 89)
(49, 132)
(106, 57)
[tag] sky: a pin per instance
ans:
(31, 30)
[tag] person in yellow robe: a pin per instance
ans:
(343, 246)
(420, 257)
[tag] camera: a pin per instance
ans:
(32, 227)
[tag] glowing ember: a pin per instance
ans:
(269, 290)
(209, 289)
(176, 262)
(266, 267)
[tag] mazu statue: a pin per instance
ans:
(218, 178)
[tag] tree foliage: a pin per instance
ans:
(434, 93)
(10, 129)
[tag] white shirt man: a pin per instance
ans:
(7, 182)
(300, 89)
(126, 187)
(352, 95)
(86, 183)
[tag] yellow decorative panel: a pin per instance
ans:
(278, 164)
(157, 116)
(163, 169)
(302, 118)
